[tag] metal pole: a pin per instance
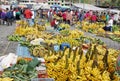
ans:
(83, 5)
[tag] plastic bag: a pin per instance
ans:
(8, 60)
(37, 41)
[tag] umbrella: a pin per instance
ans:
(64, 8)
(56, 5)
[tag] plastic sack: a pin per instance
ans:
(8, 60)
(37, 41)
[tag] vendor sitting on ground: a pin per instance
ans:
(108, 25)
(54, 23)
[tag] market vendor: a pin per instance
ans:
(109, 24)
(54, 23)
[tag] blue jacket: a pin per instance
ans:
(9, 15)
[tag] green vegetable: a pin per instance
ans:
(14, 38)
(33, 64)
(20, 70)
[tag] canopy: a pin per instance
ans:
(65, 7)
(22, 6)
(115, 11)
(89, 7)
(41, 5)
(45, 6)
(56, 5)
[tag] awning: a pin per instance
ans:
(89, 7)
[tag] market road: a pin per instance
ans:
(5, 45)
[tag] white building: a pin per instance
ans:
(59, 2)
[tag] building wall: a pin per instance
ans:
(59, 2)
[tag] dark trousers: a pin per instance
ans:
(0, 21)
(9, 22)
(68, 22)
(55, 27)
(108, 28)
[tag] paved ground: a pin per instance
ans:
(5, 45)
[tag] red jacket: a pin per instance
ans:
(52, 23)
(64, 15)
(28, 14)
(94, 17)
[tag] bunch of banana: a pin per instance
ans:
(40, 27)
(39, 51)
(75, 34)
(64, 26)
(25, 31)
(6, 79)
(31, 37)
(14, 38)
(52, 41)
(65, 32)
(117, 33)
(22, 23)
(96, 27)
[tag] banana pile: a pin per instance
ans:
(96, 28)
(75, 34)
(24, 29)
(6, 79)
(74, 65)
(38, 51)
(64, 26)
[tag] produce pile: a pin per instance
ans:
(85, 59)
(97, 28)
(24, 70)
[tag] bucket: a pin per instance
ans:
(56, 47)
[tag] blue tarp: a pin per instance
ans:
(23, 51)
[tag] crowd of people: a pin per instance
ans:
(8, 16)
(69, 16)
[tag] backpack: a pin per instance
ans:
(9, 15)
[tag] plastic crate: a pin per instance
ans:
(43, 79)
